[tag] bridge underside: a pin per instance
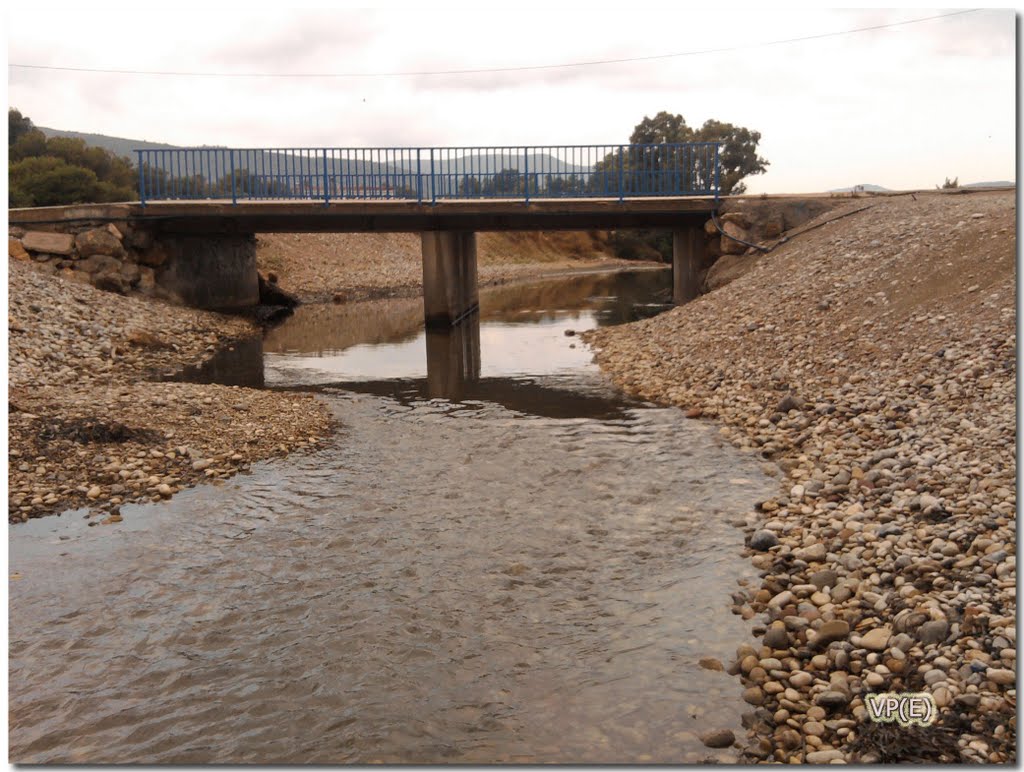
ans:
(448, 228)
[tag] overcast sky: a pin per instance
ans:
(902, 107)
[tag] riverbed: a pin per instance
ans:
(498, 558)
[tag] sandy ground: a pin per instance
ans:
(872, 364)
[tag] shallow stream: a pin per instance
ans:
(497, 559)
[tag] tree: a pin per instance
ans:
(17, 125)
(62, 170)
(737, 156)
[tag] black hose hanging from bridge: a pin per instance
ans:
(741, 241)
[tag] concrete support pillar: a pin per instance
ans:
(688, 255)
(449, 276)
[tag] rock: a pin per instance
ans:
(154, 256)
(98, 241)
(94, 492)
(111, 281)
(832, 699)
(801, 679)
(834, 630)
(272, 295)
(777, 637)
(99, 264)
(932, 632)
(147, 281)
(789, 402)
(763, 540)
(824, 578)
(51, 243)
(877, 639)
(813, 554)
(711, 663)
(164, 490)
(733, 235)
(131, 274)
(1000, 676)
(753, 695)
(824, 756)
(742, 219)
(718, 738)
(15, 250)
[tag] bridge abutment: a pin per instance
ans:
(211, 271)
(449, 276)
(688, 255)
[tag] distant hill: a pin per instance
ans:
(485, 163)
(996, 184)
(862, 188)
(119, 146)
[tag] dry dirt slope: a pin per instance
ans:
(874, 360)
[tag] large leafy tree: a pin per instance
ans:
(737, 157)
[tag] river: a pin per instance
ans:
(497, 558)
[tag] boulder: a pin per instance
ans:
(130, 272)
(733, 231)
(52, 243)
(742, 219)
(110, 281)
(272, 295)
(710, 228)
(100, 264)
(139, 238)
(15, 250)
(154, 256)
(98, 241)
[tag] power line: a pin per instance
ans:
(483, 70)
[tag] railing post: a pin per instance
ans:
(433, 185)
(142, 181)
(622, 189)
(526, 174)
(234, 194)
(419, 178)
(327, 190)
(717, 171)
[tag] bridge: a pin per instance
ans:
(204, 204)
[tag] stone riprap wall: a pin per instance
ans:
(215, 272)
(756, 221)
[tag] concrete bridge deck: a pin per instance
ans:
(384, 216)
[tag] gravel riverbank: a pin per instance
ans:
(359, 266)
(872, 362)
(89, 425)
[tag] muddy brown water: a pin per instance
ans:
(497, 559)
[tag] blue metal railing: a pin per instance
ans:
(430, 174)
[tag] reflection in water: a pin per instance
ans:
(519, 352)
(453, 359)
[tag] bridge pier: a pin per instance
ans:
(449, 276)
(688, 255)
